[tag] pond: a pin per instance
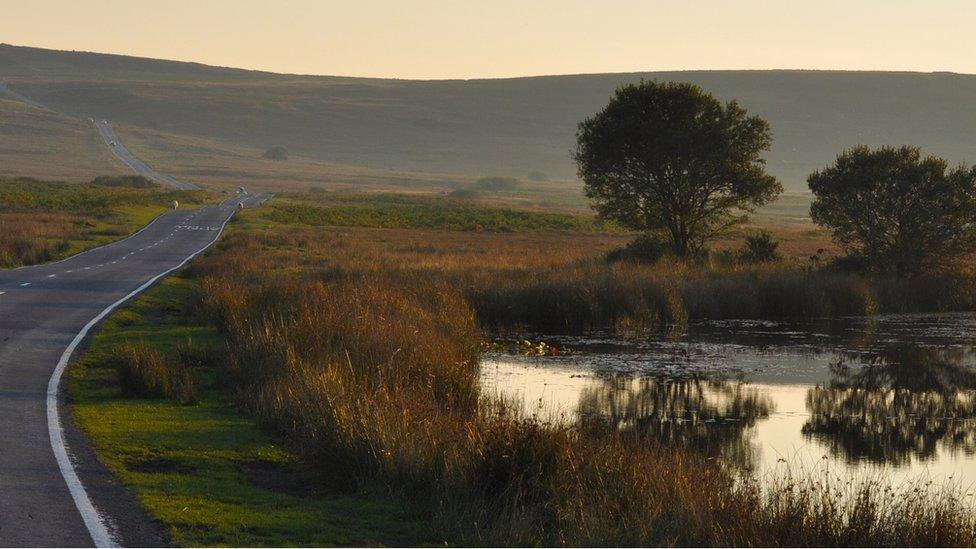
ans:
(890, 396)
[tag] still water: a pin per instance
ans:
(889, 396)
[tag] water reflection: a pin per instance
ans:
(899, 403)
(891, 395)
(709, 415)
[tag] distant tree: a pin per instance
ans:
(276, 153)
(896, 210)
(670, 158)
(538, 176)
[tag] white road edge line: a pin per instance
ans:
(89, 250)
(94, 521)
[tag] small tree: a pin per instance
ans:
(895, 209)
(671, 159)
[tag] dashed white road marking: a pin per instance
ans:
(25, 284)
(1, 293)
(52, 276)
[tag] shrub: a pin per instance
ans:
(464, 193)
(279, 154)
(760, 248)
(130, 181)
(647, 248)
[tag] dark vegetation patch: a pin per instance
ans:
(402, 211)
(158, 464)
(279, 477)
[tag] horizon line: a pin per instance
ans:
(486, 78)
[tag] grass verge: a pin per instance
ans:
(43, 221)
(210, 474)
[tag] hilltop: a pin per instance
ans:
(475, 128)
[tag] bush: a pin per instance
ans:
(760, 248)
(647, 248)
(279, 154)
(464, 193)
(144, 372)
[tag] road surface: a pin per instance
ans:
(115, 145)
(44, 311)
(5, 89)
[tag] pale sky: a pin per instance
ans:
(471, 39)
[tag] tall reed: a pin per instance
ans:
(371, 377)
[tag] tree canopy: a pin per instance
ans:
(669, 158)
(895, 209)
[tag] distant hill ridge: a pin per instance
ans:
(486, 127)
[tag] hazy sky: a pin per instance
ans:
(464, 39)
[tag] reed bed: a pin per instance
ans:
(367, 365)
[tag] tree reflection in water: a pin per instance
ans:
(901, 402)
(709, 415)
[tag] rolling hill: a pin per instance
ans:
(480, 127)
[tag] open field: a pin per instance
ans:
(357, 347)
(43, 221)
(50, 146)
(480, 128)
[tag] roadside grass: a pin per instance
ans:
(358, 347)
(43, 221)
(213, 476)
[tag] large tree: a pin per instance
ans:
(670, 159)
(895, 209)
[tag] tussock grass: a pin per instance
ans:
(369, 370)
(144, 372)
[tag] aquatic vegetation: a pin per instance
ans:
(369, 371)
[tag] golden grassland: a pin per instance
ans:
(371, 376)
(50, 146)
(43, 221)
(359, 347)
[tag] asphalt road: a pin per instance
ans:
(115, 145)
(43, 310)
(5, 89)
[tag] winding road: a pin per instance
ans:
(45, 312)
(115, 145)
